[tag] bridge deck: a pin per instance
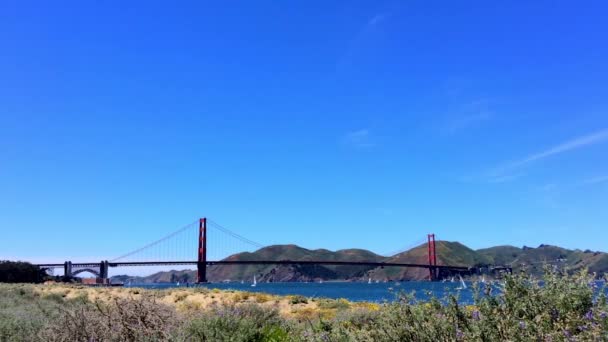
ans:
(264, 262)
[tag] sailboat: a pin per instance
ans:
(177, 284)
(452, 280)
(255, 283)
(463, 285)
(483, 278)
(369, 280)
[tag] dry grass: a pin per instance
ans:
(561, 307)
(197, 299)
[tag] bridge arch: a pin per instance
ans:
(90, 270)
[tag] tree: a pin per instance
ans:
(20, 272)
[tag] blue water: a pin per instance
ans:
(375, 292)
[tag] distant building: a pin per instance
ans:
(95, 281)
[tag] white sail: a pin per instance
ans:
(254, 281)
(462, 283)
(369, 280)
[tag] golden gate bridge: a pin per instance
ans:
(189, 246)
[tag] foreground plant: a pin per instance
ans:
(557, 307)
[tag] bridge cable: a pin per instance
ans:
(154, 243)
(217, 226)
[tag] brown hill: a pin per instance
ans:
(448, 253)
(293, 272)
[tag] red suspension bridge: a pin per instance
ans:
(178, 248)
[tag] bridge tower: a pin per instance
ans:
(432, 257)
(103, 271)
(201, 264)
(67, 269)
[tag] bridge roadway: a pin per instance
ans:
(265, 262)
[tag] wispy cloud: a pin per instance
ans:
(360, 138)
(503, 178)
(596, 180)
(512, 170)
(468, 120)
(469, 114)
(363, 39)
(461, 115)
(579, 142)
(377, 19)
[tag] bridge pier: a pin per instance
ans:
(103, 271)
(67, 269)
(201, 264)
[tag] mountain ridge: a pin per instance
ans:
(530, 259)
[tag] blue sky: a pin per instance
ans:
(325, 124)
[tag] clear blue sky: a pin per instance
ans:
(325, 124)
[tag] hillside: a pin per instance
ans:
(172, 276)
(295, 272)
(501, 255)
(448, 253)
(533, 259)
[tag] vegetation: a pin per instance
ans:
(532, 259)
(20, 272)
(558, 308)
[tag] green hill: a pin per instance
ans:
(448, 253)
(501, 255)
(172, 276)
(533, 259)
(293, 272)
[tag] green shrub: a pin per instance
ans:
(248, 322)
(338, 304)
(557, 307)
(140, 319)
(298, 300)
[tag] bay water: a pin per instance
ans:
(352, 291)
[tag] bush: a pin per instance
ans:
(121, 320)
(248, 322)
(262, 298)
(298, 300)
(23, 313)
(556, 308)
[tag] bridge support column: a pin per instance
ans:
(201, 265)
(432, 257)
(103, 271)
(67, 269)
